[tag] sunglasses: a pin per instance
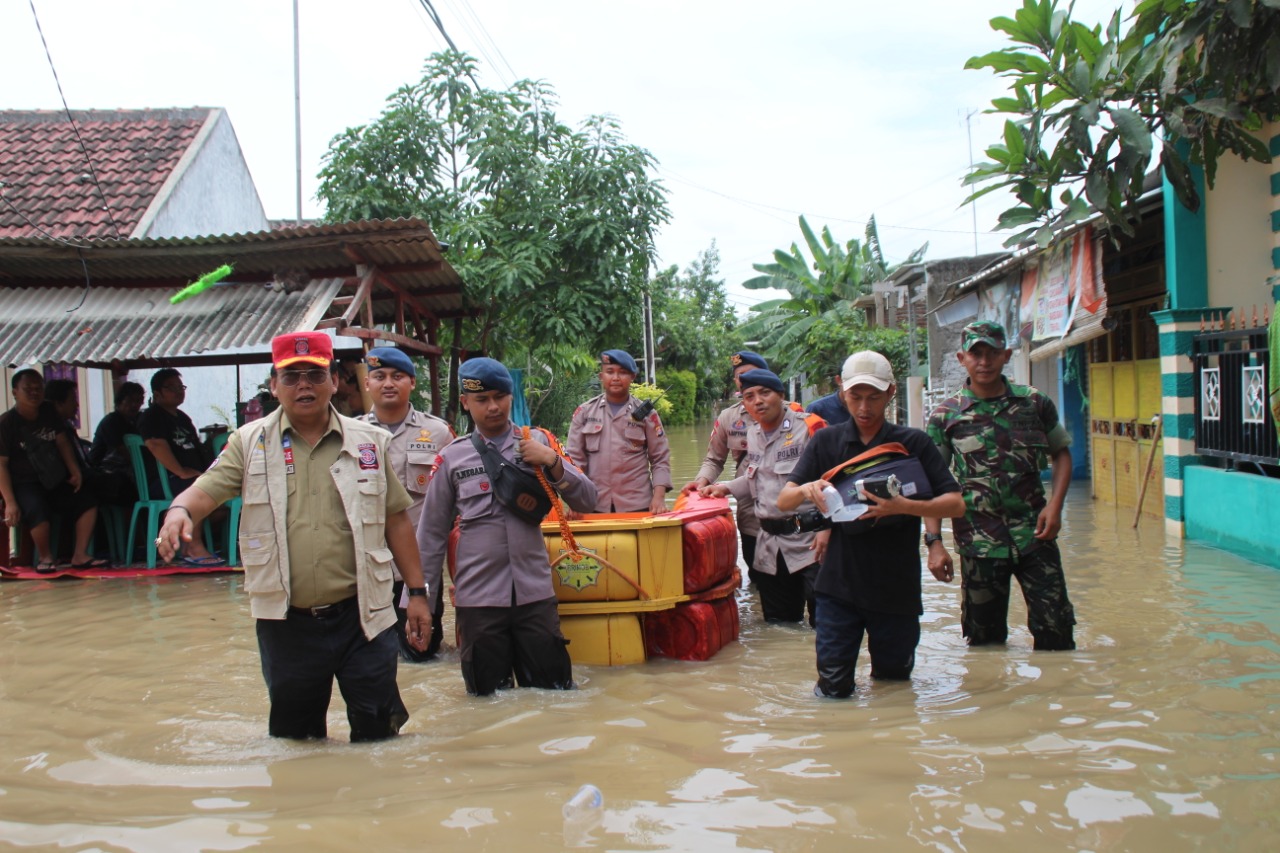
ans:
(315, 376)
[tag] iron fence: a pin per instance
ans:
(1233, 418)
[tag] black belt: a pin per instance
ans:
(324, 611)
(804, 522)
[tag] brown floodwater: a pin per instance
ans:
(134, 719)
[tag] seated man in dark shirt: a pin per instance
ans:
(33, 439)
(870, 579)
(174, 450)
(108, 454)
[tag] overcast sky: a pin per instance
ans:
(756, 112)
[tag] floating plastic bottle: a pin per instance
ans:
(586, 801)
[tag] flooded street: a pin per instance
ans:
(134, 719)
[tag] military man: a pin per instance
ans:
(997, 437)
(416, 438)
(729, 438)
(627, 458)
(323, 518)
(791, 546)
(870, 577)
(504, 601)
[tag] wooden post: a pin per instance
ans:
(1151, 459)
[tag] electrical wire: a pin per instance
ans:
(93, 173)
(84, 265)
(435, 19)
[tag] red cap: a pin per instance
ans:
(301, 347)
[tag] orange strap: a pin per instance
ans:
(891, 448)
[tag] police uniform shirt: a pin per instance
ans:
(624, 459)
(322, 559)
(729, 438)
(500, 560)
(879, 569)
(412, 451)
(769, 462)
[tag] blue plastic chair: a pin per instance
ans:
(233, 507)
(153, 507)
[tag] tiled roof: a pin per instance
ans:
(46, 188)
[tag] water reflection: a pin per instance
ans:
(136, 720)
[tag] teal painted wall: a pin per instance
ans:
(1234, 511)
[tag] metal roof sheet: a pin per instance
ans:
(124, 326)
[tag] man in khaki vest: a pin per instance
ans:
(322, 520)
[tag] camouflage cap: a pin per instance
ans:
(987, 332)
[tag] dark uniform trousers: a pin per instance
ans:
(784, 596)
(302, 654)
(891, 642)
(984, 604)
(523, 640)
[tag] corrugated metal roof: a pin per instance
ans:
(127, 311)
(405, 249)
(122, 325)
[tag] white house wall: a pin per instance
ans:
(1238, 235)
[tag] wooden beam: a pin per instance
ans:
(381, 335)
(360, 297)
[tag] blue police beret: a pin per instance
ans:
(748, 357)
(763, 378)
(389, 358)
(622, 358)
(484, 374)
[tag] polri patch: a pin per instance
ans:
(368, 456)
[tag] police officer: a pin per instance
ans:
(322, 520)
(504, 601)
(790, 547)
(628, 460)
(998, 436)
(729, 438)
(416, 438)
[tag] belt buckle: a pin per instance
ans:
(795, 524)
(321, 610)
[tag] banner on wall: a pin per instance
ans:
(1060, 281)
(1000, 302)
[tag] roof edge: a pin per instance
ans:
(162, 196)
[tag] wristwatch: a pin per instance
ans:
(417, 590)
(930, 538)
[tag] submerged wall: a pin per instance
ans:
(1235, 511)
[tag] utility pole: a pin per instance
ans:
(973, 205)
(297, 111)
(650, 371)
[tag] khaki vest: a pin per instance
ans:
(264, 542)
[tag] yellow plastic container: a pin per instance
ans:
(604, 640)
(647, 549)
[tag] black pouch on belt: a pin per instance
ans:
(516, 489)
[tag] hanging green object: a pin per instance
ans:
(201, 284)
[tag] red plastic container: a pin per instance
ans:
(710, 546)
(695, 630)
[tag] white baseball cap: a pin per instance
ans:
(866, 368)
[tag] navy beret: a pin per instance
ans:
(620, 357)
(763, 378)
(389, 358)
(484, 374)
(747, 357)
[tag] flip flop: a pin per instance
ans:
(46, 567)
(92, 564)
(207, 562)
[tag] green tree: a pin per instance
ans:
(820, 290)
(695, 328)
(681, 388)
(551, 227)
(1189, 81)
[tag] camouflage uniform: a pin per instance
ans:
(997, 448)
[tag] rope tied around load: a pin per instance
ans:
(572, 552)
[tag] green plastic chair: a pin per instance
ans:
(233, 507)
(153, 507)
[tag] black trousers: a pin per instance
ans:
(784, 596)
(303, 654)
(521, 642)
(891, 641)
(408, 652)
